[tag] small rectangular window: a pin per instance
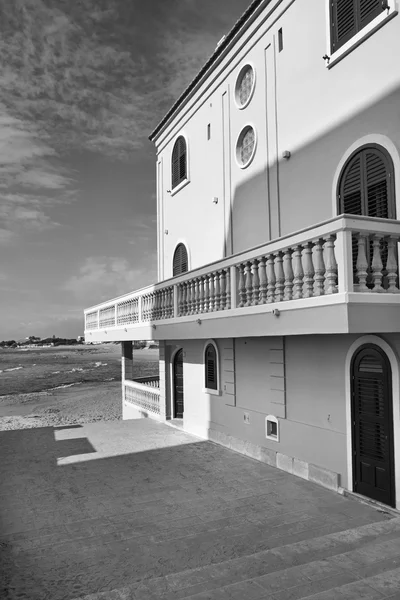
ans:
(280, 40)
(209, 131)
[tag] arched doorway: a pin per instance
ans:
(178, 399)
(372, 425)
(366, 188)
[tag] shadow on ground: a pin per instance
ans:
(94, 508)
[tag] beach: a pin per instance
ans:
(42, 387)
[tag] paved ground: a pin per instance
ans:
(139, 510)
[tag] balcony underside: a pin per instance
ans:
(340, 313)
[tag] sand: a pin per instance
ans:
(77, 404)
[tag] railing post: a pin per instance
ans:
(344, 260)
(233, 286)
(175, 301)
(115, 315)
(98, 319)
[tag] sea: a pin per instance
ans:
(31, 370)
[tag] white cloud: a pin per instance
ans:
(102, 277)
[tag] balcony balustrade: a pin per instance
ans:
(345, 254)
(144, 393)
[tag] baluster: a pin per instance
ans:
(362, 263)
(223, 290)
(241, 286)
(308, 270)
(217, 290)
(168, 303)
(262, 280)
(391, 265)
(201, 294)
(248, 284)
(298, 273)
(228, 289)
(212, 293)
(196, 296)
(280, 278)
(377, 265)
(158, 304)
(331, 270)
(153, 305)
(271, 279)
(319, 268)
(288, 270)
(165, 303)
(256, 282)
(191, 297)
(206, 293)
(183, 299)
(144, 312)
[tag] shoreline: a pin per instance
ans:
(85, 403)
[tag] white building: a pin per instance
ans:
(277, 307)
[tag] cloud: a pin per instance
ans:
(101, 278)
(31, 181)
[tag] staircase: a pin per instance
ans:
(363, 562)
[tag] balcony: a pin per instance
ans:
(340, 276)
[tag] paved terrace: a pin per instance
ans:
(139, 510)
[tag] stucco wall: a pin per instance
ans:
(320, 112)
(314, 429)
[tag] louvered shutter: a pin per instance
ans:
(179, 161)
(211, 368)
(366, 189)
(180, 260)
(377, 185)
(343, 22)
(368, 10)
(348, 17)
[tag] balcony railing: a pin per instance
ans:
(144, 393)
(344, 254)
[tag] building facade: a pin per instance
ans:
(277, 308)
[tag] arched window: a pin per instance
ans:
(366, 187)
(179, 162)
(180, 262)
(211, 368)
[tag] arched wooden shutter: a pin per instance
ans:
(348, 17)
(180, 261)
(366, 187)
(179, 160)
(211, 382)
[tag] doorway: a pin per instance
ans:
(372, 425)
(178, 385)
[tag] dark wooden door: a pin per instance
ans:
(178, 385)
(372, 417)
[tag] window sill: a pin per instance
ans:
(212, 392)
(359, 38)
(179, 187)
(273, 438)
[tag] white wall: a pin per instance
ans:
(320, 113)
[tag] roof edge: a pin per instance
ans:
(223, 45)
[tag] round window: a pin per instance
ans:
(245, 86)
(246, 146)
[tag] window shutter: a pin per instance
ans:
(179, 161)
(377, 185)
(343, 21)
(368, 10)
(180, 260)
(211, 368)
(351, 188)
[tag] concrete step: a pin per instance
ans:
(362, 562)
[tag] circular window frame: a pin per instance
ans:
(237, 148)
(238, 78)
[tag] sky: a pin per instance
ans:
(82, 85)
